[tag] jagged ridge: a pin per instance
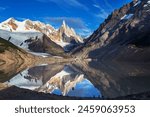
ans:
(122, 35)
(64, 36)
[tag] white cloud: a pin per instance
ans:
(96, 6)
(2, 8)
(108, 5)
(102, 12)
(102, 15)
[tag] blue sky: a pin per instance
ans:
(84, 16)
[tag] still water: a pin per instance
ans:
(65, 82)
(93, 79)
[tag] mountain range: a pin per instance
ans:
(28, 30)
(107, 56)
(124, 32)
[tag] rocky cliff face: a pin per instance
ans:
(124, 35)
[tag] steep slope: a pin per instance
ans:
(124, 35)
(64, 36)
(13, 59)
(7, 50)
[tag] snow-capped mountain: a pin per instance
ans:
(64, 36)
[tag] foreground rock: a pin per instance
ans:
(14, 93)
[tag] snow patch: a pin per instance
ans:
(44, 64)
(62, 44)
(126, 17)
(148, 4)
(61, 74)
(19, 38)
(148, 10)
(145, 5)
(40, 54)
(137, 3)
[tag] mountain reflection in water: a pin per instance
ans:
(91, 79)
(66, 81)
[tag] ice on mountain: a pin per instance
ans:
(126, 17)
(18, 38)
(137, 3)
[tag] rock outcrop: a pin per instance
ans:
(124, 35)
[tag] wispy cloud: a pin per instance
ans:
(77, 23)
(96, 6)
(102, 12)
(71, 21)
(2, 8)
(85, 32)
(102, 15)
(108, 5)
(67, 3)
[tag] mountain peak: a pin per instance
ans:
(135, 1)
(64, 27)
(69, 32)
(64, 23)
(64, 35)
(10, 19)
